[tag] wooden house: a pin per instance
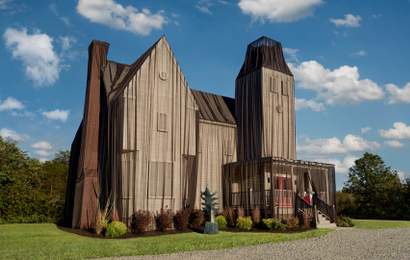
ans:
(148, 141)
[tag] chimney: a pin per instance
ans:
(88, 185)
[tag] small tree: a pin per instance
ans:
(209, 203)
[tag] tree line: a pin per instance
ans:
(31, 191)
(374, 190)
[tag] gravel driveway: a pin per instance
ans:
(344, 243)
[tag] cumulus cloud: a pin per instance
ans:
(398, 95)
(115, 15)
(57, 114)
(399, 131)
(326, 146)
(342, 165)
(36, 51)
(11, 103)
(365, 130)
(349, 20)
(11, 135)
(309, 104)
(403, 175)
(339, 86)
(42, 149)
(394, 143)
(4, 4)
(278, 10)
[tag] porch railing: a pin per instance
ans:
(283, 198)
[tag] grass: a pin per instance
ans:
(45, 241)
(378, 224)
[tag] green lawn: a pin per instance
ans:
(45, 241)
(377, 224)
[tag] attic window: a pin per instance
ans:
(284, 88)
(162, 122)
(272, 85)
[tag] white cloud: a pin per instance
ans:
(11, 135)
(360, 53)
(349, 20)
(398, 95)
(394, 143)
(42, 145)
(339, 86)
(342, 166)
(42, 149)
(42, 64)
(399, 131)
(204, 6)
(11, 103)
(127, 18)
(403, 175)
(292, 54)
(57, 114)
(326, 146)
(365, 130)
(278, 10)
(309, 104)
(67, 42)
(53, 9)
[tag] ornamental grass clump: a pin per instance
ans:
(292, 223)
(221, 221)
(116, 229)
(256, 216)
(196, 219)
(229, 214)
(244, 223)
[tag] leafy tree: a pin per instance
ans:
(376, 188)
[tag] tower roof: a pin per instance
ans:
(264, 52)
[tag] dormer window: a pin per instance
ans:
(284, 88)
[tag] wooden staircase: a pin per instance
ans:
(323, 221)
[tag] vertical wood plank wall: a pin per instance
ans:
(216, 147)
(152, 156)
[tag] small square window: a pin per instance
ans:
(162, 122)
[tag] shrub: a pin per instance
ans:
(141, 220)
(229, 214)
(221, 222)
(196, 219)
(240, 212)
(244, 223)
(273, 224)
(292, 223)
(116, 229)
(256, 216)
(344, 222)
(181, 219)
(103, 217)
(164, 220)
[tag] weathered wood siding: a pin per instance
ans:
(265, 115)
(159, 134)
(216, 147)
(278, 108)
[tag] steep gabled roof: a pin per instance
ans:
(264, 52)
(214, 107)
(132, 70)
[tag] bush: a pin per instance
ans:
(196, 219)
(256, 216)
(292, 223)
(181, 219)
(229, 214)
(244, 223)
(221, 222)
(164, 220)
(116, 229)
(273, 224)
(344, 222)
(141, 220)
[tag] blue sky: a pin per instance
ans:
(350, 59)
